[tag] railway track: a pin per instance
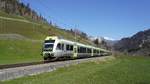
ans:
(6, 66)
(8, 72)
(22, 64)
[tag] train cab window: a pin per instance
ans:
(60, 46)
(48, 46)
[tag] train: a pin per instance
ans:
(55, 47)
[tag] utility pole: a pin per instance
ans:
(1, 27)
(75, 34)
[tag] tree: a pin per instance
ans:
(19, 8)
(96, 41)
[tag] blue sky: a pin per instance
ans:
(108, 18)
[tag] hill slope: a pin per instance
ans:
(21, 39)
(15, 24)
(138, 44)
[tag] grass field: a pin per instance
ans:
(17, 51)
(122, 70)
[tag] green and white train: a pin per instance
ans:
(55, 47)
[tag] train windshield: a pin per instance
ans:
(48, 45)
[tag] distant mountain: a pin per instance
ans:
(111, 42)
(103, 42)
(138, 44)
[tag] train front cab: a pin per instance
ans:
(48, 48)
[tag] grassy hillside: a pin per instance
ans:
(11, 16)
(15, 51)
(33, 30)
(123, 70)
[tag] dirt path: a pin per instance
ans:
(16, 37)
(20, 20)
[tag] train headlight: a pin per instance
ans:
(51, 54)
(48, 54)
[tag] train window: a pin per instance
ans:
(97, 51)
(83, 50)
(94, 50)
(89, 50)
(101, 51)
(59, 46)
(69, 47)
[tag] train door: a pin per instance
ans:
(75, 53)
(92, 54)
(63, 49)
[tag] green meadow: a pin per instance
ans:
(122, 70)
(18, 51)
